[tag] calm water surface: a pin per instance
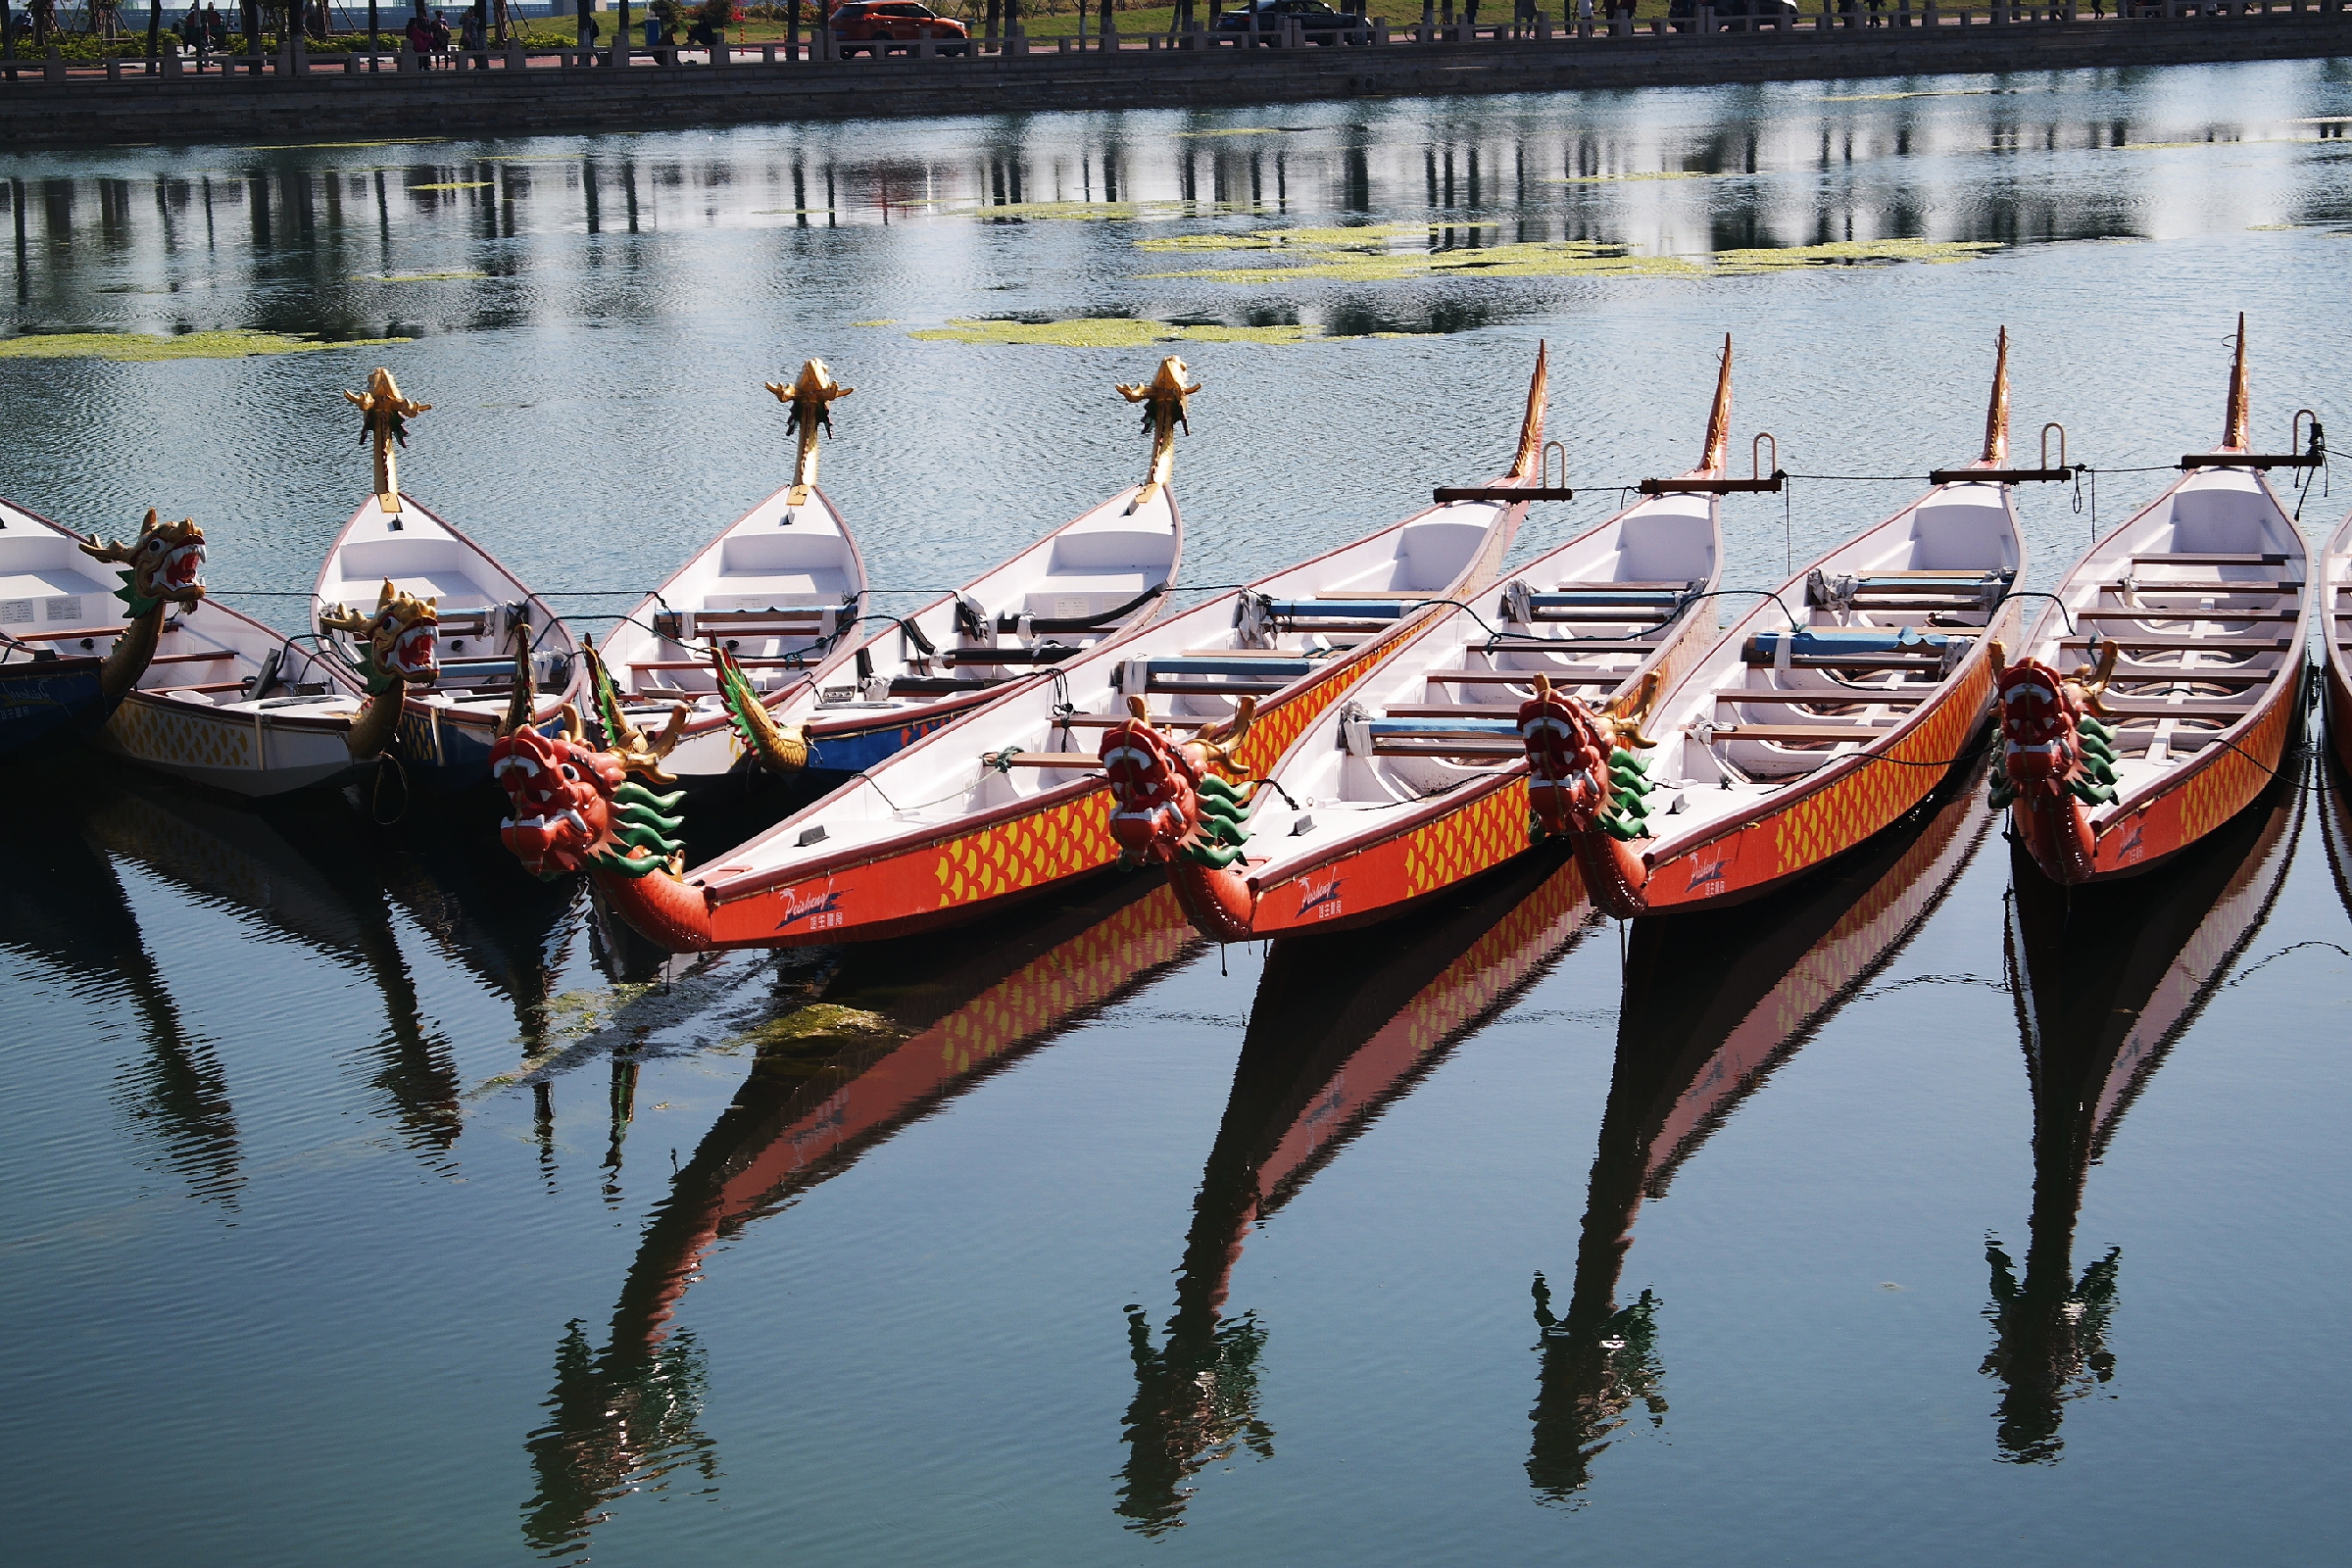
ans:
(369, 1203)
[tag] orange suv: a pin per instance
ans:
(887, 26)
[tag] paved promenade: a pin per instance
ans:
(48, 106)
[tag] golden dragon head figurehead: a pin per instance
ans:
(163, 564)
(401, 640)
(1167, 401)
(811, 400)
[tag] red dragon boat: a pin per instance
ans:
(1419, 777)
(2186, 627)
(1687, 1056)
(1791, 741)
(2335, 640)
(1001, 805)
(2107, 979)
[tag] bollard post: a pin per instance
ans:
(517, 59)
(767, 54)
(53, 68)
(172, 65)
(113, 68)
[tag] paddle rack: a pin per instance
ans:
(2312, 456)
(2045, 474)
(1725, 487)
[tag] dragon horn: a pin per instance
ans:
(1138, 710)
(1996, 413)
(2233, 423)
(2001, 658)
(1543, 687)
(114, 550)
(1530, 454)
(518, 701)
(1716, 451)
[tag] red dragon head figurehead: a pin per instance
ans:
(1171, 797)
(1571, 752)
(575, 806)
(163, 564)
(402, 638)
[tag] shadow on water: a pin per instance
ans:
(1687, 1055)
(1341, 1027)
(891, 1035)
(62, 905)
(2105, 983)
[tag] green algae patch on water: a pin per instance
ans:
(818, 1019)
(416, 278)
(1094, 212)
(1613, 179)
(573, 1014)
(887, 321)
(457, 184)
(1849, 253)
(146, 348)
(1115, 333)
(1239, 130)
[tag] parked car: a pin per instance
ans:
(1683, 14)
(892, 27)
(1318, 20)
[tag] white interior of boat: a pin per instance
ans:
(1053, 599)
(779, 589)
(1443, 713)
(2336, 597)
(214, 656)
(1193, 669)
(1882, 624)
(480, 602)
(52, 595)
(2203, 593)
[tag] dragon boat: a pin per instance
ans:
(1419, 777)
(1793, 739)
(2107, 979)
(67, 655)
(452, 634)
(2184, 633)
(1688, 1058)
(1094, 578)
(230, 703)
(744, 625)
(1340, 1029)
(1001, 805)
(2335, 639)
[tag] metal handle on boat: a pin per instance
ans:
(1543, 468)
(1724, 487)
(2045, 474)
(2309, 457)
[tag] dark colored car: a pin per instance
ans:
(1318, 20)
(1683, 14)
(892, 27)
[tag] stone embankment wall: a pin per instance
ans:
(44, 110)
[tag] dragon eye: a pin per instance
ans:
(569, 771)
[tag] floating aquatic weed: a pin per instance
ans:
(1096, 211)
(1849, 253)
(1115, 332)
(1612, 179)
(144, 348)
(415, 277)
(456, 184)
(1240, 130)
(887, 321)
(2274, 228)
(1889, 97)
(821, 1020)
(573, 1013)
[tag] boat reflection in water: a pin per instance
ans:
(1687, 1055)
(309, 869)
(1341, 1027)
(63, 905)
(891, 1040)
(2103, 988)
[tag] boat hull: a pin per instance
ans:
(1810, 824)
(253, 755)
(945, 878)
(2206, 796)
(47, 702)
